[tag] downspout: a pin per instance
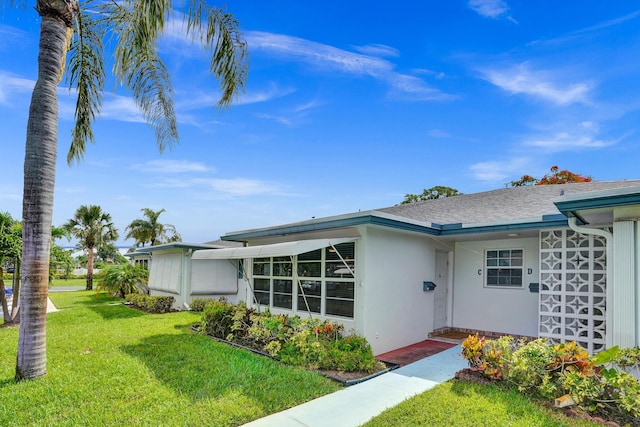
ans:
(609, 274)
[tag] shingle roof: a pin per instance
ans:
(503, 205)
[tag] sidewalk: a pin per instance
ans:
(355, 405)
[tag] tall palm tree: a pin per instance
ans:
(149, 229)
(93, 228)
(134, 27)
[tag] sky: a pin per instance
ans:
(348, 106)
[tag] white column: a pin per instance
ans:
(623, 306)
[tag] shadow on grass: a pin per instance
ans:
(72, 299)
(199, 368)
(116, 311)
(190, 364)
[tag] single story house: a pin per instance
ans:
(171, 273)
(555, 261)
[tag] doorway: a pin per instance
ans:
(440, 293)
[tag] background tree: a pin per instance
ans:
(133, 28)
(437, 192)
(93, 228)
(109, 254)
(61, 262)
(555, 176)
(10, 254)
(149, 229)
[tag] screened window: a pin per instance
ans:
(323, 282)
(504, 267)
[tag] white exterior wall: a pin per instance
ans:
(511, 311)
(392, 310)
(167, 274)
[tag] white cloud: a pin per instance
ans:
(498, 171)
(490, 8)
(439, 133)
(567, 141)
(240, 186)
(539, 84)
(280, 119)
(378, 50)
(13, 87)
(172, 166)
(332, 58)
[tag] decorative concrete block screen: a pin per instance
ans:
(573, 288)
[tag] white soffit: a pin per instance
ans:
(275, 250)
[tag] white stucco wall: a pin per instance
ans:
(512, 311)
(392, 309)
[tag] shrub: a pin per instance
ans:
(598, 384)
(151, 304)
(313, 343)
(226, 321)
(198, 304)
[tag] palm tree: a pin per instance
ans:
(123, 279)
(134, 28)
(93, 228)
(150, 230)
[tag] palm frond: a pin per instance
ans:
(139, 67)
(219, 32)
(86, 72)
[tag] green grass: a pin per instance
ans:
(110, 365)
(462, 403)
(71, 282)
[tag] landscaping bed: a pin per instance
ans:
(600, 388)
(346, 378)
(318, 345)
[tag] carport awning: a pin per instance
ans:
(275, 250)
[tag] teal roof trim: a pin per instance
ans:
(328, 225)
(434, 230)
(507, 227)
(569, 207)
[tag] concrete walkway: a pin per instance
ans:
(355, 405)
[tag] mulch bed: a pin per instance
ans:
(343, 377)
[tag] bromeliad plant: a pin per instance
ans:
(600, 384)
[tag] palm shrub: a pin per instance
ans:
(122, 279)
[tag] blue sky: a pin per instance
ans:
(349, 106)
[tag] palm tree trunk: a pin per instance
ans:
(89, 268)
(15, 308)
(37, 207)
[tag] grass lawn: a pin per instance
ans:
(463, 403)
(71, 282)
(110, 365)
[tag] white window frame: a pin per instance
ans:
(300, 309)
(499, 267)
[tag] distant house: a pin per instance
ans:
(171, 271)
(556, 261)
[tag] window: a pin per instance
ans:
(504, 267)
(324, 283)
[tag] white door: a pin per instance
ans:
(440, 293)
